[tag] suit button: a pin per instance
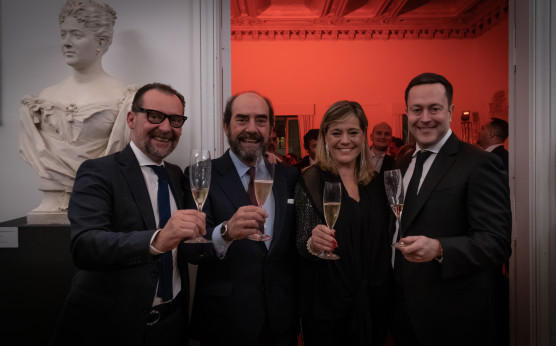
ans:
(262, 289)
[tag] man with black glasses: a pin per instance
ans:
(127, 227)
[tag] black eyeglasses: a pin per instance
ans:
(156, 117)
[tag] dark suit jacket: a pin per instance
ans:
(233, 295)
(112, 222)
(502, 153)
(464, 203)
(387, 163)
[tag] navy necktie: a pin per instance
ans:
(166, 261)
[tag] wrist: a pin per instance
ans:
(224, 232)
(310, 248)
(440, 254)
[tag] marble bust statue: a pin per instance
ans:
(79, 118)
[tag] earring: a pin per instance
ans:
(327, 151)
(362, 162)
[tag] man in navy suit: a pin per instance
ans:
(118, 238)
(455, 229)
(492, 137)
(245, 290)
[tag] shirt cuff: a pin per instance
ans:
(153, 250)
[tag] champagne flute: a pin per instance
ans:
(393, 183)
(264, 179)
(199, 180)
(331, 200)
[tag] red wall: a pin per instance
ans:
(299, 76)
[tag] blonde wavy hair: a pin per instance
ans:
(338, 112)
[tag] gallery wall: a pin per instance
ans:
(161, 41)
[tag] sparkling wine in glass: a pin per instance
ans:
(264, 179)
(199, 180)
(393, 183)
(331, 200)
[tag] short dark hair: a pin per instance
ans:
(398, 142)
(500, 127)
(312, 134)
(229, 104)
(165, 88)
(431, 78)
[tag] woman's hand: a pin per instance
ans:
(323, 239)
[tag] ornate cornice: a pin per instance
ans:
(387, 25)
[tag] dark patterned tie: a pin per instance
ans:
(413, 186)
(166, 261)
(251, 186)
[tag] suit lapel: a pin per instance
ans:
(444, 159)
(136, 183)
(175, 182)
(229, 182)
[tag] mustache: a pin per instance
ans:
(161, 134)
(251, 136)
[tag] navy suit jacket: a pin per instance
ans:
(464, 203)
(112, 222)
(234, 295)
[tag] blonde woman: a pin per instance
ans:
(343, 301)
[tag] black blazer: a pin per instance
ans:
(502, 153)
(234, 294)
(112, 222)
(464, 203)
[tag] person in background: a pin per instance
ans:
(246, 290)
(381, 137)
(395, 146)
(128, 224)
(455, 229)
(344, 301)
(310, 144)
(291, 159)
(492, 137)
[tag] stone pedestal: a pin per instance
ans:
(47, 218)
(36, 277)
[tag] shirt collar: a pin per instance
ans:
(373, 154)
(436, 147)
(143, 159)
(494, 146)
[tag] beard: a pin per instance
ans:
(155, 153)
(247, 155)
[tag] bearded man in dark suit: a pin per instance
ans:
(245, 292)
(455, 229)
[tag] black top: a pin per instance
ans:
(355, 287)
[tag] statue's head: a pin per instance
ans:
(97, 17)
